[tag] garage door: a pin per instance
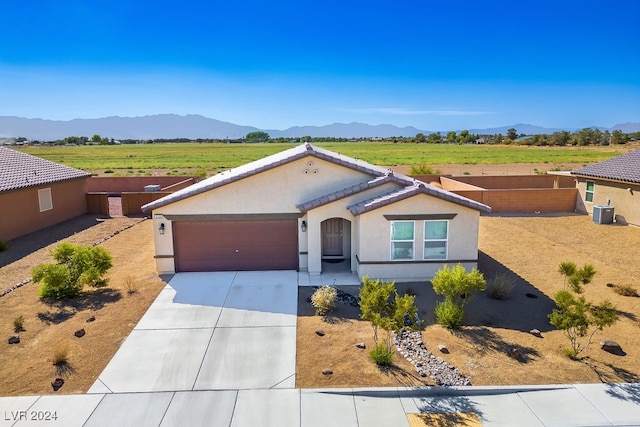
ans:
(236, 245)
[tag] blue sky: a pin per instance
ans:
(432, 64)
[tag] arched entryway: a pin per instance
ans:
(336, 245)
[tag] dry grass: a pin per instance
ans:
(529, 249)
(26, 368)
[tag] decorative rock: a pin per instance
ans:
(361, 345)
(57, 383)
(611, 285)
(515, 353)
(530, 295)
(91, 319)
(320, 332)
(443, 348)
(14, 339)
(79, 333)
(535, 333)
(411, 346)
(611, 347)
(327, 372)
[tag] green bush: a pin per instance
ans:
(3, 246)
(449, 314)
(382, 355)
(626, 290)
(18, 324)
(500, 286)
(424, 170)
(76, 267)
(324, 299)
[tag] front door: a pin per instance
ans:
(332, 238)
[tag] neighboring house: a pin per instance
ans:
(305, 207)
(36, 193)
(614, 182)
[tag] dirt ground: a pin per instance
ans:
(530, 249)
(26, 368)
(507, 169)
(527, 247)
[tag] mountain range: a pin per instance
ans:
(195, 126)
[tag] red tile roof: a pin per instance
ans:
(625, 167)
(19, 170)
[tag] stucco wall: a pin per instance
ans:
(20, 213)
(626, 203)
(278, 190)
(374, 246)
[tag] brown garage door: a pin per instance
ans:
(236, 245)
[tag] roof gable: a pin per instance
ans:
(625, 167)
(414, 190)
(20, 170)
(381, 175)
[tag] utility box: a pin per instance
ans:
(603, 214)
(151, 188)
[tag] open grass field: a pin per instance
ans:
(191, 157)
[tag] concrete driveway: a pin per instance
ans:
(211, 331)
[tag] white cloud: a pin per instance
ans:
(415, 112)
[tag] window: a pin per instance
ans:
(402, 233)
(44, 199)
(591, 188)
(436, 234)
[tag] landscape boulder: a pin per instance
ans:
(14, 339)
(320, 332)
(443, 348)
(611, 347)
(535, 333)
(327, 372)
(361, 345)
(79, 333)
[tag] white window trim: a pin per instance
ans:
(446, 240)
(392, 241)
(45, 201)
(592, 192)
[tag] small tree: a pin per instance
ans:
(578, 318)
(76, 267)
(384, 308)
(575, 277)
(457, 286)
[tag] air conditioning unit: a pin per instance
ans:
(603, 214)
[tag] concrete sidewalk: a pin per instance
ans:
(562, 405)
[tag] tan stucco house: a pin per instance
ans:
(305, 207)
(614, 182)
(36, 193)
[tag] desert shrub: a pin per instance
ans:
(423, 170)
(201, 173)
(76, 267)
(3, 246)
(449, 314)
(324, 299)
(130, 285)
(108, 171)
(579, 318)
(61, 353)
(626, 291)
(384, 308)
(18, 323)
(382, 355)
(500, 286)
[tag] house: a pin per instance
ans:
(36, 193)
(614, 182)
(305, 207)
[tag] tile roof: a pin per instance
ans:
(625, 167)
(413, 190)
(299, 152)
(346, 192)
(20, 170)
